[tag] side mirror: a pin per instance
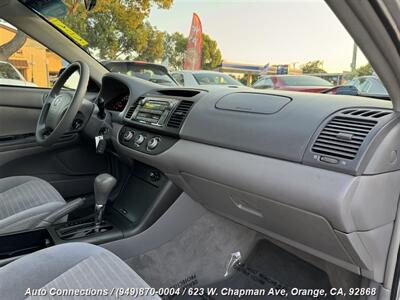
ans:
(90, 4)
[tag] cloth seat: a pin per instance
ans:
(68, 267)
(25, 201)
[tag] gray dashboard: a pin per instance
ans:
(289, 126)
(318, 172)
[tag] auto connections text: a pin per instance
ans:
(197, 291)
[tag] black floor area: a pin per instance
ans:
(270, 267)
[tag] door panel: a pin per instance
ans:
(70, 166)
(19, 109)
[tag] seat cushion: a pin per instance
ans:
(25, 201)
(68, 267)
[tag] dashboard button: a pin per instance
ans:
(153, 143)
(140, 139)
(128, 135)
(155, 176)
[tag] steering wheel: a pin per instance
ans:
(59, 109)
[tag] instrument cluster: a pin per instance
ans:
(118, 103)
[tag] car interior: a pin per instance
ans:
(121, 182)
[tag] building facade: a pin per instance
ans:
(34, 61)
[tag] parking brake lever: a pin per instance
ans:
(61, 212)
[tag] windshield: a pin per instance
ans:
(215, 79)
(232, 38)
(304, 81)
(153, 73)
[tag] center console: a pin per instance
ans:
(144, 140)
(142, 195)
(153, 123)
(154, 110)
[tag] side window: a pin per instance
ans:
(264, 83)
(259, 84)
(24, 61)
(179, 78)
(268, 83)
(365, 86)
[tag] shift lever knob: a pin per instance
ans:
(103, 185)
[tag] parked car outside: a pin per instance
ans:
(299, 83)
(368, 85)
(148, 71)
(204, 78)
(9, 75)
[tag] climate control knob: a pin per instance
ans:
(140, 139)
(128, 136)
(153, 143)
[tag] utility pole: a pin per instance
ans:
(354, 60)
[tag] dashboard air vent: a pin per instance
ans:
(179, 114)
(371, 113)
(132, 108)
(342, 137)
(130, 112)
(179, 93)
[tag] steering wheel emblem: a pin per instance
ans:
(57, 101)
(59, 111)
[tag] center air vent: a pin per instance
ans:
(179, 114)
(132, 108)
(342, 137)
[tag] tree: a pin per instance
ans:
(364, 70)
(153, 47)
(211, 56)
(115, 29)
(315, 66)
(245, 78)
(175, 47)
(12, 46)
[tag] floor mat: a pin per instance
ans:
(268, 268)
(197, 256)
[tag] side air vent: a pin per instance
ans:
(179, 114)
(371, 113)
(132, 108)
(130, 112)
(342, 137)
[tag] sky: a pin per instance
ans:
(266, 31)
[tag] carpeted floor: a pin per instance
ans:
(270, 267)
(196, 257)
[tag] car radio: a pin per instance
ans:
(154, 111)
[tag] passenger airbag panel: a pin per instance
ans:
(253, 103)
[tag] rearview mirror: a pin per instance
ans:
(90, 4)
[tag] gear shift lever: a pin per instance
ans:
(103, 185)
